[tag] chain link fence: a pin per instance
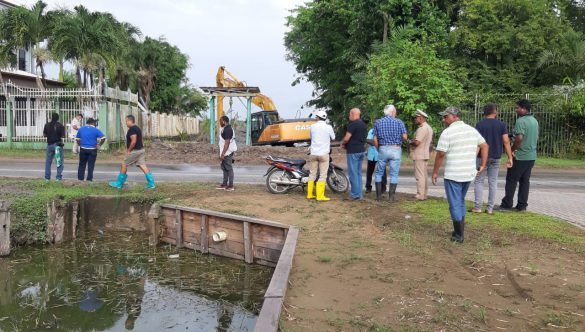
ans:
(557, 131)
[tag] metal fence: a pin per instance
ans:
(556, 131)
(25, 111)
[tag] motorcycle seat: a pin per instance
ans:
(298, 162)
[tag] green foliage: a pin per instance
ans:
(191, 102)
(328, 40)
(410, 76)
(497, 42)
(161, 69)
(102, 50)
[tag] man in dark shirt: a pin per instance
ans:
(135, 155)
(54, 131)
(354, 142)
(495, 132)
(227, 148)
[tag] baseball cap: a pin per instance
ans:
(452, 110)
(421, 113)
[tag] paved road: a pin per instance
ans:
(555, 193)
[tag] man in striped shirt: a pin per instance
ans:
(458, 146)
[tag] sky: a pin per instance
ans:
(246, 36)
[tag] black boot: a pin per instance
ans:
(392, 192)
(378, 191)
(461, 234)
(457, 235)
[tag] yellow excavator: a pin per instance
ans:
(267, 126)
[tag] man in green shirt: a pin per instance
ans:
(524, 151)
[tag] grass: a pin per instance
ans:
(436, 211)
(324, 259)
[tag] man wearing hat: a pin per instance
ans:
(420, 147)
(321, 136)
(457, 146)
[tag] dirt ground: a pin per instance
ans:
(202, 153)
(370, 266)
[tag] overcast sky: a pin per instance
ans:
(246, 36)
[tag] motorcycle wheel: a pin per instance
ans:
(337, 181)
(276, 188)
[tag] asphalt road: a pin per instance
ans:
(556, 193)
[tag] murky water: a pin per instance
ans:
(116, 282)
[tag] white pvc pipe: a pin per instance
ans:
(219, 236)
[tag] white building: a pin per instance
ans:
(24, 57)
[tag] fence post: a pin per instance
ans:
(212, 120)
(249, 121)
(103, 121)
(9, 123)
(4, 229)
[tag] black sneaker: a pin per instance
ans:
(506, 209)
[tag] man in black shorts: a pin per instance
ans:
(135, 155)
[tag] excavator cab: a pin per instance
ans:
(260, 121)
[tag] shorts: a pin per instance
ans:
(136, 157)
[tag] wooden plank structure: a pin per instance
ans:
(252, 240)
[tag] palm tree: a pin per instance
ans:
(570, 58)
(93, 41)
(26, 28)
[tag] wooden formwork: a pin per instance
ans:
(252, 240)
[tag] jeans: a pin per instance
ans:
(86, 157)
(50, 155)
(388, 155)
(519, 173)
(456, 192)
(493, 167)
(354, 168)
(370, 171)
(227, 166)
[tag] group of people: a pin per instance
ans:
(87, 142)
(470, 155)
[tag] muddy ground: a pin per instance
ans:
(370, 266)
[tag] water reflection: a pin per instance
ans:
(116, 282)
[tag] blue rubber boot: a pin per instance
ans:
(149, 181)
(119, 183)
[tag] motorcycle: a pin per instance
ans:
(285, 174)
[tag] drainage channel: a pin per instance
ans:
(117, 265)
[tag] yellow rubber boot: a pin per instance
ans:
(321, 192)
(310, 188)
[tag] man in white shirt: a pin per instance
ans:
(458, 146)
(76, 123)
(321, 136)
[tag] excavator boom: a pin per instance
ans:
(267, 127)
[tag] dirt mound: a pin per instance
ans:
(200, 153)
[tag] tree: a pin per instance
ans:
(498, 42)
(409, 75)
(190, 101)
(329, 40)
(26, 28)
(569, 59)
(161, 69)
